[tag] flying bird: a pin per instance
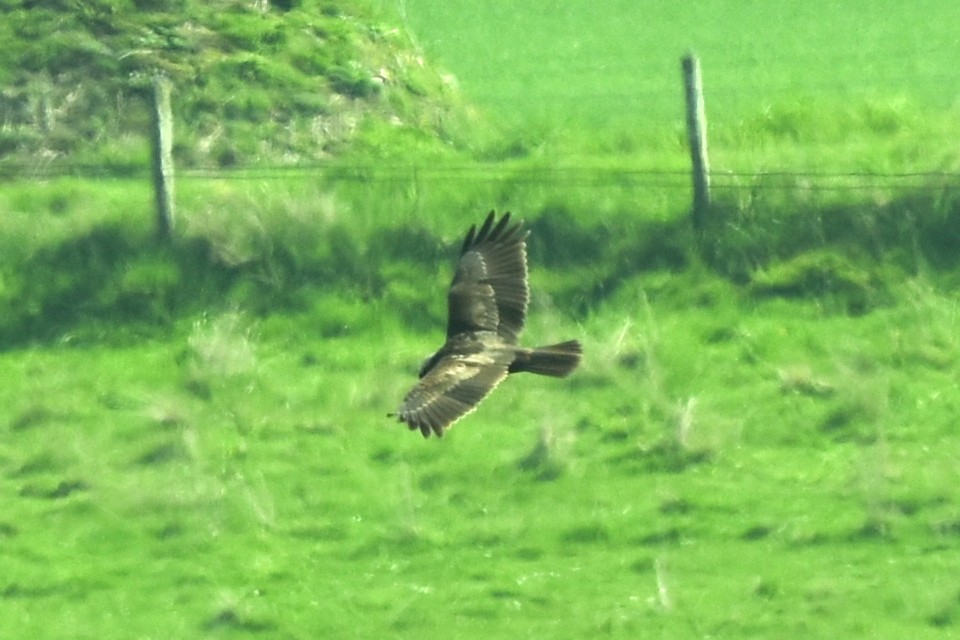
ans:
(487, 306)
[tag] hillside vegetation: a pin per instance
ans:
(254, 82)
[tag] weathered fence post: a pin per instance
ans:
(162, 152)
(697, 136)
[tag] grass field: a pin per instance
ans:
(760, 442)
(619, 64)
(737, 470)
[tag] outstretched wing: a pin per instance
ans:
(451, 390)
(489, 290)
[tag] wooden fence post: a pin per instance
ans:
(162, 152)
(697, 136)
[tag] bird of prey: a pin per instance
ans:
(487, 306)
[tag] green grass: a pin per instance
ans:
(619, 63)
(760, 442)
(728, 468)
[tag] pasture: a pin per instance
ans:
(761, 441)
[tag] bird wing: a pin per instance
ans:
(451, 390)
(489, 290)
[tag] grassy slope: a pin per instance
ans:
(621, 63)
(727, 463)
(252, 83)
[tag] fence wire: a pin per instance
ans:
(576, 176)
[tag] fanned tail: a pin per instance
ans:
(557, 360)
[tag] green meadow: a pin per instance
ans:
(761, 441)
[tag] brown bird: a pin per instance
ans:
(487, 306)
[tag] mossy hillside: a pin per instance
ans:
(278, 84)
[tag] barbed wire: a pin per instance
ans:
(573, 176)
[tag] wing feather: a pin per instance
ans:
(450, 390)
(489, 291)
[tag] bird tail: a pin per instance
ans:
(557, 360)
